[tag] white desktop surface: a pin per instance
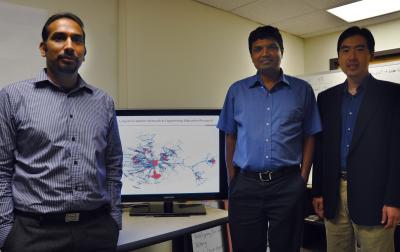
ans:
(141, 231)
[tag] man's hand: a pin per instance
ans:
(305, 177)
(390, 216)
(318, 204)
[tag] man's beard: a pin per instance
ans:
(68, 69)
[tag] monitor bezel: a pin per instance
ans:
(223, 185)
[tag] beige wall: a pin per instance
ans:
(182, 54)
(293, 55)
(100, 18)
(320, 49)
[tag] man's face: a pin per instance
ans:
(266, 55)
(65, 47)
(354, 57)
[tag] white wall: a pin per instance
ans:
(100, 19)
(319, 50)
(183, 54)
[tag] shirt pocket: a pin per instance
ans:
(290, 121)
(289, 116)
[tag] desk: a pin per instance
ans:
(142, 231)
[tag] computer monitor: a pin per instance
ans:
(170, 156)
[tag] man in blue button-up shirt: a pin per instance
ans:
(60, 153)
(357, 165)
(269, 120)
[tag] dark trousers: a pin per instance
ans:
(29, 234)
(262, 213)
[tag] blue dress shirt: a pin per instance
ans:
(59, 151)
(350, 107)
(270, 125)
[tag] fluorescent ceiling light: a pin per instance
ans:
(365, 9)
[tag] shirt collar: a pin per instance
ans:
(42, 79)
(360, 88)
(258, 81)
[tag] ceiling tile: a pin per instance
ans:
(311, 22)
(325, 31)
(226, 4)
(271, 11)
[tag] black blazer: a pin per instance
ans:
(373, 164)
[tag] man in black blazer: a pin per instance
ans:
(357, 169)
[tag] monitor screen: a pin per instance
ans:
(172, 155)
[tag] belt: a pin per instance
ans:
(66, 217)
(268, 176)
(343, 175)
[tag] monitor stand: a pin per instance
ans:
(167, 208)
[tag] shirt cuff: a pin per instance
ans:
(4, 232)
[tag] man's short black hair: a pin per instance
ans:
(355, 30)
(45, 30)
(266, 32)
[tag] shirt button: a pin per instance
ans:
(268, 108)
(70, 116)
(348, 129)
(75, 162)
(266, 157)
(267, 140)
(350, 113)
(268, 124)
(73, 139)
(348, 145)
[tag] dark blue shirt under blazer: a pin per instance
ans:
(350, 107)
(59, 151)
(270, 124)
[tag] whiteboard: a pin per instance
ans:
(20, 29)
(322, 81)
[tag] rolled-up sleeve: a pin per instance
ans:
(226, 120)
